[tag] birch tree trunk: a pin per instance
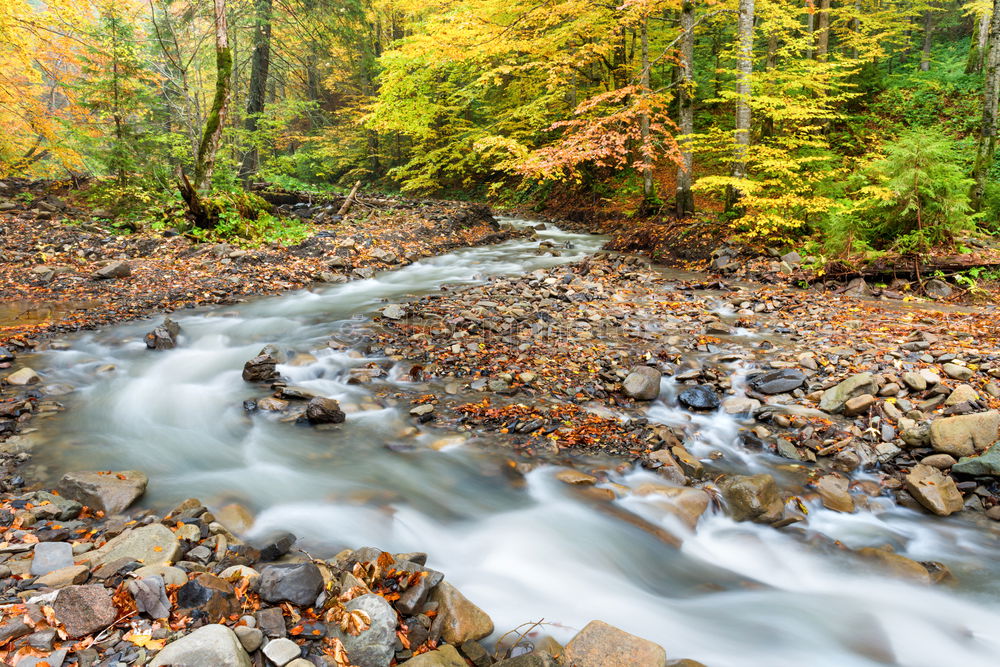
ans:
(988, 127)
(210, 139)
(744, 70)
(925, 51)
(257, 95)
(685, 103)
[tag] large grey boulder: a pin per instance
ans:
(83, 610)
(111, 492)
(752, 498)
(214, 645)
(778, 381)
(298, 583)
(835, 398)
(460, 619)
(986, 464)
(934, 490)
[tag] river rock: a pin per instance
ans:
(108, 491)
(835, 398)
(250, 638)
(642, 383)
(915, 381)
(261, 368)
(752, 498)
(214, 645)
(393, 312)
(23, 376)
(83, 610)
(235, 517)
(210, 596)
(374, 647)
(67, 576)
(686, 503)
(298, 583)
(282, 651)
(700, 397)
(958, 372)
(779, 381)
(900, 566)
(324, 411)
(50, 556)
(446, 656)
(603, 645)
(460, 619)
(963, 435)
(116, 269)
(934, 490)
(833, 491)
(154, 544)
(937, 289)
(171, 576)
(163, 337)
(963, 393)
(986, 464)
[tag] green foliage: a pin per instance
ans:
(915, 198)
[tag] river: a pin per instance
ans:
(733, 594)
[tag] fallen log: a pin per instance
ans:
(909, 267)
(350, 199)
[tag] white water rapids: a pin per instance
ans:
(733, 595)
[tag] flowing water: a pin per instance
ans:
(731, 595)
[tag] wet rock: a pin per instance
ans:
(154, 544)
(780, 381)
(374, 647)
(701, 397)
(986, 464)
(446, 656)
(460, 619)
(603, 645)
(900, 566)
(261, 368)
(150, 595)
(282, 651)
(915, 381)
(835, 398)
(858, 287)
(934, 490)
(117, 269)
(298, 583)
(214, 645)
(642, 383)
(163, 337)
(833, 489)
(274, 545)
(83, 610)
(208, 596)
(324, 411)
(50, 556)
(752, 498)
(739, 405)
(235, 517)
(964, 435)
(22, 377)
(939, 461)
(108, 491)
(686, 503)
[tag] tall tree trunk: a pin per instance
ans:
(257, 94)
(744, 70)
(925, 51)
(811, 29)
(685, 102)
(210, 139)
(977, 52)
(991, 100)
(648, 192)
(823, 30)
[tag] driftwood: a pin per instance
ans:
(350, 199)
(909, 267)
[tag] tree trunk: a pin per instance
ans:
(991, 98)
(685, 103)
(210, 139)
(811, 29)
(977, 52)
(648, 193)
(925, 52)
(744, 70)
(257, 94)
(823, 31)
